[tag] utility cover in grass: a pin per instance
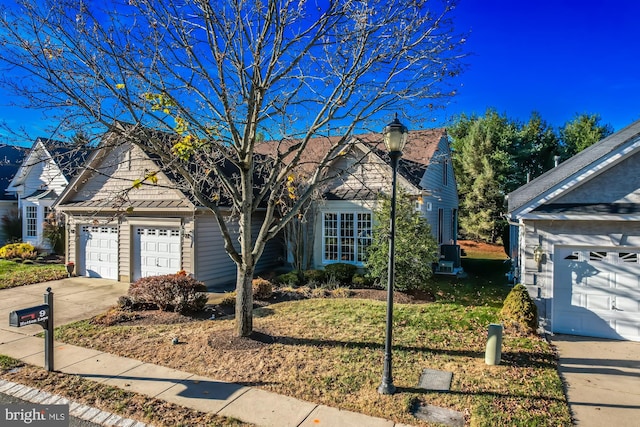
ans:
(434, 414)
(432, 379)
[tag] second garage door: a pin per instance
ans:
(98, 255)
(596, 292)
(156, 251)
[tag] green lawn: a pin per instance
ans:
(14, 274)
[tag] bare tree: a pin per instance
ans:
(221, 77)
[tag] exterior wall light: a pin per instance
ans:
(538, 254)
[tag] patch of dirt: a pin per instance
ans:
(470, 246)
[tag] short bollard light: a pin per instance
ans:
(493, 352)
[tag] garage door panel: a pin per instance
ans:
(157, 251)
(598, 302)
(627, 305)
(596, 292)
(98, 252)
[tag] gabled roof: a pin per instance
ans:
(113, 139)
(576, 170)
(10, 160)
(69, 158)
(417, 155)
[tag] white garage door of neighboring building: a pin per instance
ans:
(156, 251)
(596, 292)
(98, 252)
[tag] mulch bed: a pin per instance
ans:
(211, 312)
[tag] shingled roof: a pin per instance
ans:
(528, 193)
(416, 157)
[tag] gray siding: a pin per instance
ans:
(620, 184)
(550, 234)
(442, 193)
(213, 265)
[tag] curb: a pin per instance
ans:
(76, 409)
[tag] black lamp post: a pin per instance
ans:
(395, 137)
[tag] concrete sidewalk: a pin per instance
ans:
(81, 298)
(248, 404)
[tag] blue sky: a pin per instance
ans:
(557, 57)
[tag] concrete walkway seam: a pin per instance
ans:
(76, 409)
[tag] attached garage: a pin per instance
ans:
(574, 240)
(155, 230)
(597, 292)
(156, 251)
(98, 254)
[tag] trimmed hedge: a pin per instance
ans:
(519, 309)
(341, 272)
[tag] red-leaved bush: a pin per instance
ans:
(171, 292)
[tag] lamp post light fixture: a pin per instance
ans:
(395, 138)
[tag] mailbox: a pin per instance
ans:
(30, 316)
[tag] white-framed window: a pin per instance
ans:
(346, 236)
(32, 221)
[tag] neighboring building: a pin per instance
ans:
(118, 232)
(43, 175)
(575, 240)
(10, 161)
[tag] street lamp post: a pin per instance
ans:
(395, 137)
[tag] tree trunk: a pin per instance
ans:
(244, 301)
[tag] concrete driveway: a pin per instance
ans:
(602, 378)
(74, 299)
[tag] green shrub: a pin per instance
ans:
(362, 281)
(314, 276)
(262, 288)
(177, 292)
(288, 279)
(415, 247)
(18, 250)
(520, 310)
(341, 272)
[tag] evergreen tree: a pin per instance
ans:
(583, 131)
(482, 163)
(415, 247)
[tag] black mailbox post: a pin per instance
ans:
(38, 315)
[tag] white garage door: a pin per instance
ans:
(596, 292)
(156, 251)
(98, 252)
